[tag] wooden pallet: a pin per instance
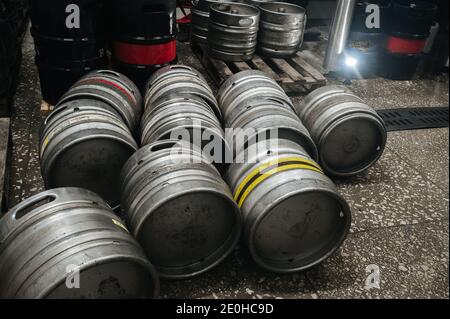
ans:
(4, 152)
(295, 75)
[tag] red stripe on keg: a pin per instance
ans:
(405, 46)
(145, 54)
(121, 89)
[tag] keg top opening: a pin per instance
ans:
(352, 145)
(300, 232)
(191, 233)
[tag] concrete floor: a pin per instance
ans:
(400, 208)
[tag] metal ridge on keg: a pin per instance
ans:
(179, 209)
(180, 81)
(350, 135)
(264, 118)
(233, 31)
(113, 88)
(294, 218)
(54, 233)
(247, 85)
(282, 27)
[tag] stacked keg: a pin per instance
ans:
(70, 41)
(350, 135)
(282, 29)
(179, 208)
(293, 216)
(143, 36)
(88, 138)
(233, 31)
(179, 104)
(200, 19)
(67, 243)
(410, 26)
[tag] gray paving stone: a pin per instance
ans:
(413, 263)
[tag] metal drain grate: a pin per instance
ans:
(415, 118)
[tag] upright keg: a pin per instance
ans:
(70, 41)
(179, 209)
(350, 135)
(255, 106)
(180, 81)
(69, 238)
(110, 87)
(233, 31)
(85, 145)
(144, 37)
(282, 28)
(293, 216)
(200, 19)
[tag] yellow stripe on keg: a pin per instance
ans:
(269, 169)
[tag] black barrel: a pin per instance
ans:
(366, 40)
(67, 47)
(143, 36)
(412, 17)
(409, 27)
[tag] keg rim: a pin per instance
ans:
(213, 259)
(331, 248)
(264, 8)
(379, 124)
(253, 11)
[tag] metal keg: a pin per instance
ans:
(113, 88)
(350, 135)
(258, 120)
(85, 146)
(179, 209)
(248, 85)
(200, 19)
(70, 238)
(233, 31)
(293, 216)
(189, 120)
(252, 100)
(282, 29)
(180, 81)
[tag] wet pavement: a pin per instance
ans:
(400, 230)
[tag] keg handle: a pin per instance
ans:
(246, 22)
(163, 145)
(109, 72)
(54, 113)
(37, 201)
